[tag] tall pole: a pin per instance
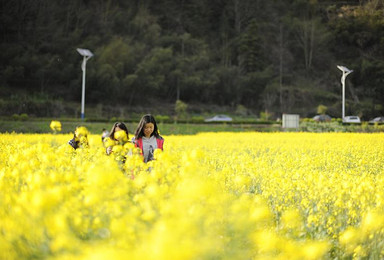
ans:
(87, 54)
(343, 84)
(346, 72)
(83, 67)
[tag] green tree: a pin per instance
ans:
(321, 109)
(180, 109)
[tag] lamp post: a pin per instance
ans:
(346, 72)
(87, 54)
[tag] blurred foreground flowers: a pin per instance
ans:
(219, 195)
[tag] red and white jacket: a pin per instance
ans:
(139, 143)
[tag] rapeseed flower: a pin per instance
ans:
(212, 195)
(314, 250)
(108, 142)
(81, 131)
(121, 136)
(55, 126)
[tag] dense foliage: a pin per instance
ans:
(278, 56)
(208, 196)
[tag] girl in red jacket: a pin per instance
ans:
(147, 137)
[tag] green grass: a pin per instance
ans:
(42, 126)
(68, 126)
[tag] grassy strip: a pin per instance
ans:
(96, 127)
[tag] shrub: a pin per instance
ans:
(322, 110)
(197, 119)
(162, 119)
(265, 115)
(23, 117)
(180, 109)
(15, 117)
(241, 110)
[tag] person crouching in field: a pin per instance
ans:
(147, 137)
(80, 138)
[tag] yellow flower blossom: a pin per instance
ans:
(121, 136)
(314, 250)
(117, 149)
(81, 131)
(206, 196)
(108, 142)
(372, 222)
(55, 126)
(291, 219)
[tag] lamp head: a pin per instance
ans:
(344, 69)
(84, 52)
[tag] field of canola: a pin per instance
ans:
(208, 196)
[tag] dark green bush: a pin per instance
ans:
(113, 119)
(197, 119)
(162, 119)
(23, 117)
(15, 117)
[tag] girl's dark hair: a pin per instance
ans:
(140, 128)
(122, 126)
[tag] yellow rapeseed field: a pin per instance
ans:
(207, 196)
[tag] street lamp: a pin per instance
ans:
(345, 71)
(87, 54)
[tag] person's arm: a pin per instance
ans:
(160, 143)
(73, 143)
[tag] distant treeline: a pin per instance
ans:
(278, 56)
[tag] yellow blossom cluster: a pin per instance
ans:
(81, 131)
(55, 126)
(207, 196)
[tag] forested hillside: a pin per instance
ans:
(278, 56)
